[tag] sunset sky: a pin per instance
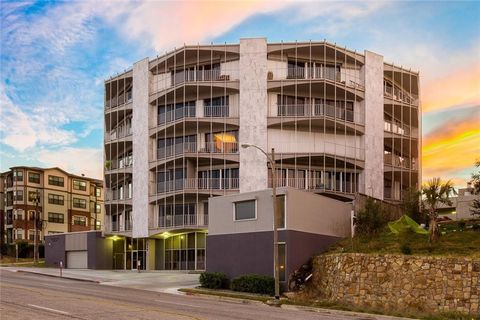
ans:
(56, 55)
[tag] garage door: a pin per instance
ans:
(77, 259)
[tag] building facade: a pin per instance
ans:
(340, 122)
(64, 203)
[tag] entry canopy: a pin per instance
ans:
(405, 223)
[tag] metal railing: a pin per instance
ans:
(213, 111)
(197, 75)
(318, 110)
(177, 114)
(121, 132)
(396, 127)
(399, 95)
(315, 184)
(198, 184)
(401, 162)
(169, 221)
(191, 147)
(119, 100)
(121, 163)
(118, 194)
(348, 77)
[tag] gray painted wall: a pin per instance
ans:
(253, 113)
(55, 250)
(100, 253)
(374, 125)
(140, 122)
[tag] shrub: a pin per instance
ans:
(254, 283)
(405, 248)
(476, 227)
(213, 280)
(461, 225)
(371, 219)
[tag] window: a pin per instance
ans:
(79, 220)
(55, 217)
(19, 234)
(32, 195)
(281, 212)
(31, 215)
(98, 208)
(98, 192)
(55, 181)
(17, 175)
(18, 195)
(98, 225)
(245, 210)
(55, 199)
(31, 235)
(80, 185)
(282, 261)
(19, 215)
(34, 177)
(79, 203)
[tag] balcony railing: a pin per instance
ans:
(401, 162)
(175, 221)
(216, 111)
(120, 100)
(191, 147)
(315, 184)
(121, 163)
(118, 194)
(121, 132)
(177, 114)
(399, 95)
(348, 77)
(318, 110)
(397, 128)
(198, 75)
(198, 184)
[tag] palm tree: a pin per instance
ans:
(435, 193)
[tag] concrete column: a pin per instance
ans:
(374, 125)
(140, 108)
(253, 113)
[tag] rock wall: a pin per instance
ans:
(397, 282)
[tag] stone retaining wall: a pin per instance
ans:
(397, 282)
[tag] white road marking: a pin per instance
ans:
(48, 309)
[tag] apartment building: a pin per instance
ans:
(64, 203)
(340, 122)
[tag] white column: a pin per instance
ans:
(374, 125)
(140, 108)
(253, 113)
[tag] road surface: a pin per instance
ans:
(30, 296)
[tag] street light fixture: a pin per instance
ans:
(271, 160)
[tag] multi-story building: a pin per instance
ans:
(64, 203)
(340, 122)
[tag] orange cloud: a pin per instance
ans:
(451, 148)
(460, 87)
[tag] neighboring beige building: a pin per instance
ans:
(66, 203)
(461, 205)
(341, 123)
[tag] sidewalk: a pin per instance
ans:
(159, 281)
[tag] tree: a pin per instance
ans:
(371, 219)
(436, 192)
(475, 206)
(411, 205)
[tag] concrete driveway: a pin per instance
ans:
(160, 281)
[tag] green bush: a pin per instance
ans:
(371, 220)
(405, 248)
(476, 227)
(214, 280)
(462, 225)
(254, 283)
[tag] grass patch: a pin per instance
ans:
(7, 261)
(227, 294)
(453, 242)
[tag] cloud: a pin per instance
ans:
(79, 161)
(452, 147)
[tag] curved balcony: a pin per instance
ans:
(396, 127)
(396, 94)
(396, 161)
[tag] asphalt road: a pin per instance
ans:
(30, 296)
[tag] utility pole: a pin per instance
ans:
(35, 221)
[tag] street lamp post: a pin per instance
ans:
(271, 160)
(35, 221)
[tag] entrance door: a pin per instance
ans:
(138, 256)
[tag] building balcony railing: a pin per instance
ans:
(119, 101)
(177, 114)
(118, 194)
(198, 75)
(180, 221)
(192, 147)
(398, 128)
(349, 77)
(401, 162)
(315, 184)
(126, 162)
(218, 111)
(318, 110)
(198, 184)
(121, 132)
(399, 95)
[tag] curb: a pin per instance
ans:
(58, 276)
(341, 312)
(226, 299)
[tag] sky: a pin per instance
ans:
(55, 56)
